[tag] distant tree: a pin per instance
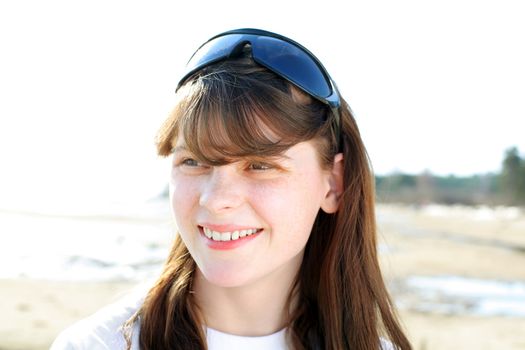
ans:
(425, 187)
(513, 177)
(397, 187)
(506, 187)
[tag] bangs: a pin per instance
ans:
(225, 118)
(221, 129)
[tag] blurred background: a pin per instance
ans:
(437, 89)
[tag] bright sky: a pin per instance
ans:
(84, 85)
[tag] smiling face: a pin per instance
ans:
(249, 219)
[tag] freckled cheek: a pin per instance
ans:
(184, 195)
(289, 210)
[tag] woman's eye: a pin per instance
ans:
(189, 162)
(260, 166)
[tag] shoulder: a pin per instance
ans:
(102, 330)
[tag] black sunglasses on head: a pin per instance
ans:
(281, 55)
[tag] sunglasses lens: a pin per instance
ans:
(292, 63)
(283, 58)
(212, 51)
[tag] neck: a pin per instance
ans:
(255, 309)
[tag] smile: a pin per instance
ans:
(228, 236)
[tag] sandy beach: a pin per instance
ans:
(33, 311)
(472, 244)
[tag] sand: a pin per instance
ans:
(33, 312)
(465, 242)
(416, 242)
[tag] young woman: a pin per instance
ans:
(273, 198)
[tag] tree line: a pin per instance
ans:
(504, 188)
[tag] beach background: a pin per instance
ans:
(455, 272)
(437, 91)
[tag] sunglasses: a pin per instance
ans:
(281, 55)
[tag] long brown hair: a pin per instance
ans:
(236, 109)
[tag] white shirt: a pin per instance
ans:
(102, 331)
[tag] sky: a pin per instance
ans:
(84, 86)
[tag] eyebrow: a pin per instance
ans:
(277, 157)
(183, 148)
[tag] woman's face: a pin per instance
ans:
(248, 220)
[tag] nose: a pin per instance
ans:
(222, 191)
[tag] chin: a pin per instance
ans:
(225, 278)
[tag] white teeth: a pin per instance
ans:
(249, 232)
(227, 236)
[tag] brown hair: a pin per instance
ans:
(238, 109)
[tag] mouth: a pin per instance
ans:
(228, 239)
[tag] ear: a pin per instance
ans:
(330, 203)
